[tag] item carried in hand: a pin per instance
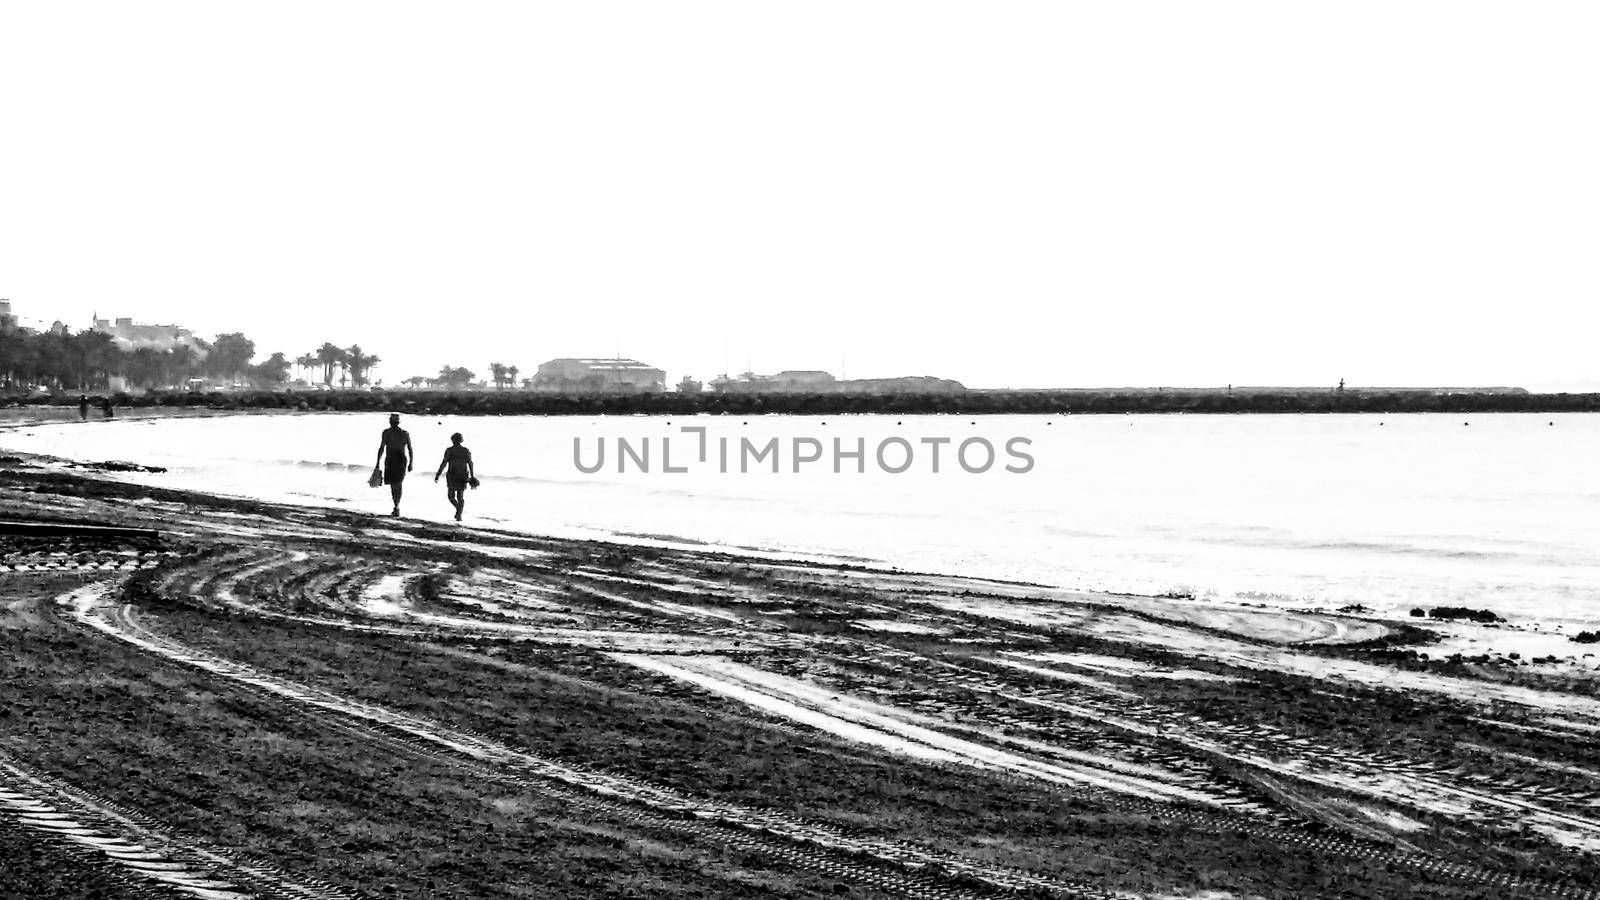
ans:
(376, 480)
(473, 481)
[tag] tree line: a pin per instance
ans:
(352, 365)
(456, 378)
(89, 361)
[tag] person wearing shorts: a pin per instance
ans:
(395, 456)
(456, 467)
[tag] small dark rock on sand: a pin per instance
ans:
(118, 466)
(1461, 612)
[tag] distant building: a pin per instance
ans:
(811, 381)
(8, 322)
(794, 381)
(131, 336)
(906, 384)
(599, 375)
(803, 380)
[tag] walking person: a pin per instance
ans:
(83, 407)
(108, 407)
(456, 467)
(395, 456)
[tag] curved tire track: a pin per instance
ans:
(154, 857)
(884, 864)
(216, 584)
(1156, 724)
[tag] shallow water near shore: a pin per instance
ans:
(1495, 511)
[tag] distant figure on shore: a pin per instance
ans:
(83, 407)
(395, 457)
(456, 467)
(106, 407)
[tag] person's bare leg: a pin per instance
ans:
(394, 491)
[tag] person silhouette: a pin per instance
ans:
(459, 473)
(83, 407)
(395, 456)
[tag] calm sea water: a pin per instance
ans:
(1501, 511)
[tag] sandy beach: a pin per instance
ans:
(710, 451)
(255, 699)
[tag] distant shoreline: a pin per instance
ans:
(1054, 402)
(52, 414)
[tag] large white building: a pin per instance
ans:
(798, 381)
(811, 381)
(599, 375)
(131, 336)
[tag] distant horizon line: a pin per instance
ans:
(36, 324)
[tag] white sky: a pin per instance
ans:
(1039, 194)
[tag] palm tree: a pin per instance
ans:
(360, 364)
(305, 363)
(329, 357)
(497, 371)
(455, 377)
(511, 375)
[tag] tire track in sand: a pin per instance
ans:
(154, 858)
(895, 866)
